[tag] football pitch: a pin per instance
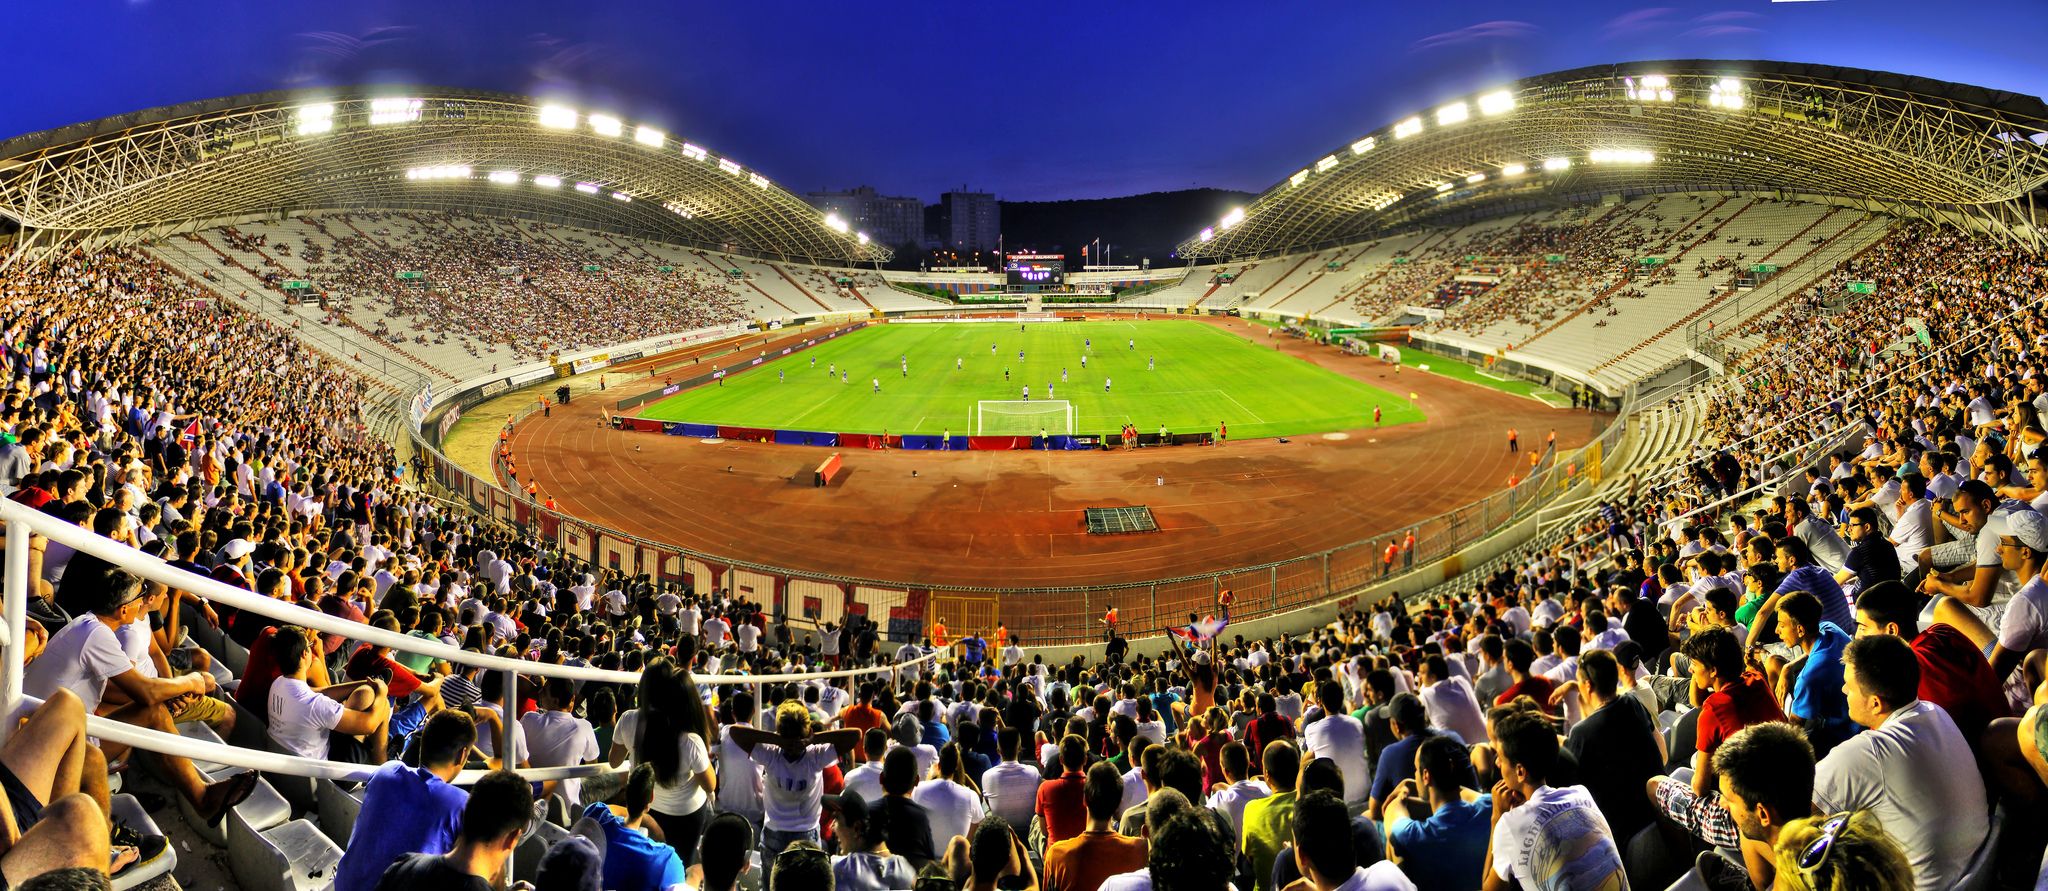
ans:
(1188, 376)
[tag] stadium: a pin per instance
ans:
(393, 469)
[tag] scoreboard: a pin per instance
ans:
(1031, 272)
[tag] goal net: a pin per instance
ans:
(1011, 417)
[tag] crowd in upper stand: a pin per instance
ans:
(1829, 687)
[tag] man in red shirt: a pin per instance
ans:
(1062, 805)
(1269, 727)
(1953, 672)
(1730, 698)
(1535, 686)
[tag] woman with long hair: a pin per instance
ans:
(668, 731)
(1844, 852)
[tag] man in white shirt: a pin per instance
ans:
(557, 738)
(1544, 836)
(715, 630)
(1910, 767)
(1450, 701)
(793, 762)
(865, 779)
(951, 808)
(689, 619)
(1013, 655)
(1340, 738)
(302, 718)
(1010, 788)
(748, 635)
(1240, 790)
(85, 656)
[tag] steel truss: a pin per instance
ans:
(1908, 146)
(141, 176)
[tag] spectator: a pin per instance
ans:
(951, 801)
(555, 737)
(495, 816)
(1082, 862)
(1269, 821)
(904, 823)
(1910, 768)
(1543, 836)
(1437, 830)
(1616, 745)
(728, 853)
(793, 761)
(1341, 738)
(1953, 674)
(1848, 850)
(85, 657)
(410, 809)
(1766, 777)
(1011, 787)
(867, 864)
(1061, 803)
(632, 861)
(670, 709)
(309, 723)
(1324, 853)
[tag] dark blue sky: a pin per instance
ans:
(1056, 99)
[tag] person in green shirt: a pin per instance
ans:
(1759, 582)
(1269, 821)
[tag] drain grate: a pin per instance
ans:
(1120, 520)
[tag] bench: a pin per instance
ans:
(827, 469)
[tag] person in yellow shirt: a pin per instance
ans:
(1269, 821)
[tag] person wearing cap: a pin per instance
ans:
(1973, 597)
(85, 657)
(868, 864)
(2024, 628)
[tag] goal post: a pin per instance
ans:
(1014, 417)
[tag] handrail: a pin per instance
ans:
(277, 762)
(156, 569)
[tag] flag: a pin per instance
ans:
(190, 433)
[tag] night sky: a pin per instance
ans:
(1036, 101)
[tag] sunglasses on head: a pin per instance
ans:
(1817, 852)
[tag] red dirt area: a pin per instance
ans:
(1014, 519)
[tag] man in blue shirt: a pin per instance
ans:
(410, 809)
(1440, 851)
(1409, 720)
(973, 650)
(632, 861)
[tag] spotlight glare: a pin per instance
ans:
(1496, 102)
(557, 117)
(1408, 128)
(1514, 170)
(648, 136)
(548, 182)
(1453, 113)
(606, 125)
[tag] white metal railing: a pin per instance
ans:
(22, 521)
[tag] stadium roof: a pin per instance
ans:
(187, 166)
(1888, 141)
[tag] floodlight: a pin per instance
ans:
(1452, 113)
(504, 176)
(729, 165)
(649, 136)
(758, 180)
(1496, 102)
(1725, 93)
(548, 182)
(1557, 163)
(1620, 156)
(1475, 179)
(316, 118)
(587, 188)
(861, 236)
(1386, 201)
(621, 196)
(1326, 163)
(1514, 170)
(1207, 234)
(1443, 187)
(606, 125)
(694, 153)
(1234, 217)
(1408, 128)
(1364, 145)
(1299, 177)
(394, 111)
(678, 210)
(834, 223)
(559, 117)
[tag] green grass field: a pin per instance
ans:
(1204, 375)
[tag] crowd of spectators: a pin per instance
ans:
(491, 282)
(1825, 683)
